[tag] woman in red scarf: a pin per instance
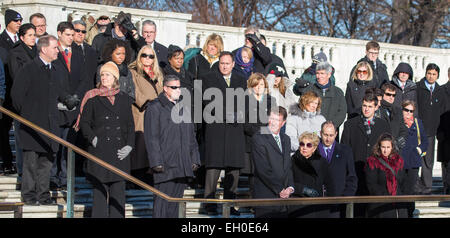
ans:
(385, 176)
(106, 122)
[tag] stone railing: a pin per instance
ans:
(295, 49)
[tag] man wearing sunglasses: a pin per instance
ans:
(172, 147)
(361, 134)
(393, 115)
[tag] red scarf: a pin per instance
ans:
(396, 163)
(102, 92)
(149, 72)
(408, 121)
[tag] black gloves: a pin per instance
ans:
(125, 21)
(71, 101)
(253, 39)
(310, 192)
(158, 169)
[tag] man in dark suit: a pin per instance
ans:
(271, 157)
(8, 39)
(342, 180)
(149, 34)
(361, 134)
(224, 132)
(35, 94)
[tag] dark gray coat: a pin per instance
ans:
(172, 145)
(409, 91)
(114, 127)
(430, 106)
(356, 89)
(443, 131)
(224, 142)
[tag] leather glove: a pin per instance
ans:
(301, 83)
(124, 152)
(127, 24)
(158, 169)
(195, 167)
(309, 192)
(71, 102)
(253, 39)
(94, 142)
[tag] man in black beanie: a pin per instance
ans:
(9, 37)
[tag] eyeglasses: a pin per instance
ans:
(362, 72)
(41, 26)
(373, 52)
(407, 110)
(78, 31)
(390, 94)
(151, 56)
(309, 145)
(174, 87)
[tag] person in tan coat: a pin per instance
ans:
(148, 80)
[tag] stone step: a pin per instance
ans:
(433, 212)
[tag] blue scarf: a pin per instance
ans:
(246, 67)
(324, 86)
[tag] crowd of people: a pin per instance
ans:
(113, 91)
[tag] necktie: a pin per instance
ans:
(328, 150)
(15, 38)
(277, 139)
(431, 94)
(66, 51)
(227, 79)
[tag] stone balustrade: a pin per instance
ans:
(295, 49)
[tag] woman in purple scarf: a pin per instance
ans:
(244, 61)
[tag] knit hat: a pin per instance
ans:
(319, 57)
(172, 49)
(11, 15)
(277, 70)
(111, 68)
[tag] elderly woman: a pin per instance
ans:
(385, 176)
(148, 80)
(119, 53)
(281, 88)
(258, 104)
(361, 79)
(107, 123)
(309, 169)
(305, 118)
(415, 148)
(208, 58)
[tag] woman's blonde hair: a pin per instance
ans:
(313, 137)
(215, 40)
(254, 80)
(307, 98)
(369, 70)
(139, 67)
(116, 84)
(248, 51)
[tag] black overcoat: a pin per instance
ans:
(113, 125)
(161, 53)
(354, 93)
(430, 106)
(199, 66)
(19, 56)
(35, 94)
(170, 144)
(224, 142)
(443, 131)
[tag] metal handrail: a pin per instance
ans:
(227, 203)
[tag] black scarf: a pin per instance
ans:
(30, 52)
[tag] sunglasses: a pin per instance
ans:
(362, 72)
(78, 31)
(174, 87)
(389, 94)
(103, 18)
(17, 20)
(143, 55)
(407, 110)
(309, 145)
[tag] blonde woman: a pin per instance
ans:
(208, 57)
(360, 80)
(148, 81)
(281, 88)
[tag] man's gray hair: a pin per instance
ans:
(254, 29)
(79, 22)
(169, 78)
(44, 41)
(148, 22)
(324, 66)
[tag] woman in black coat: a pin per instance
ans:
(175, 67)
(208, 58)
(23, 52)
(309, 169)
(107, 123)
(385, 176)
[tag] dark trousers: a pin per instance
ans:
(445, 166)
(360, 209)
(230, 182)
(173, 188)
(411, 176)
(36, 175)
(59, 168)
(426, 179)
(5, 148)
(109, 200)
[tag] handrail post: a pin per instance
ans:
(226, 210)
(349, 210)
(182, 210)
(70, 182)
(18, 211)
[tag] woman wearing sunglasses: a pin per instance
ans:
(305, 117)
(360, 80)
(309, 169)
(148, 81)
(415, 147)
(385, 176)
